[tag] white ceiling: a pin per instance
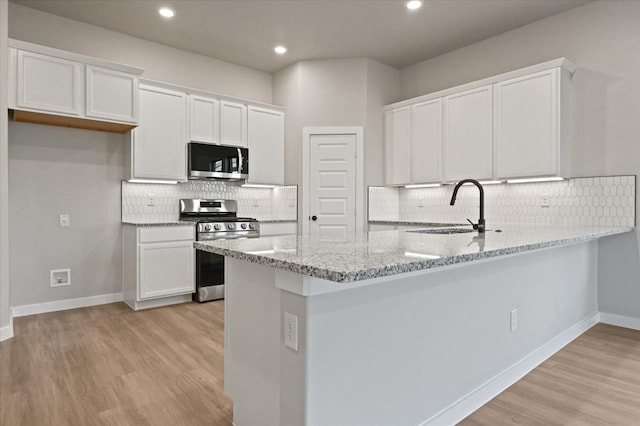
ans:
(245, 31)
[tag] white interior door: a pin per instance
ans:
(332, 185)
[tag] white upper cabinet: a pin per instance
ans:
(51, 86)
(233, 123)
(204, 119)
(506, 126)
(266, 145)
(158, 145)
(426, 141)
(46, 83)
(111, 95)
(529, 139)
(397, 146)
(468, 138)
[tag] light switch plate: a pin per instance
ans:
(65, 221)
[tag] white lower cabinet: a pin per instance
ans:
(159, 265)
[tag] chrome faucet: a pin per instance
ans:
(480, 225)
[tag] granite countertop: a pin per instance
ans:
(279, 221)
(384, 253)
(169, 223)
(425, 224)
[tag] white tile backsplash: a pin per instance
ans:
(580, 201)
(279, 203)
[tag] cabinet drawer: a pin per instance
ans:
(156, 234)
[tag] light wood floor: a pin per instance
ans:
(108, 365)
(595, 380)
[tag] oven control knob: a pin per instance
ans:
(230, 226)
(207, 227)
(217, 226)
(252, 226)
(243, 226)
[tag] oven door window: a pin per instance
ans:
(209, 269)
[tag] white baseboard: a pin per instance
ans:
(620, 321)
(466, 405)
(62, 305)
(7, 331)
(157, 303)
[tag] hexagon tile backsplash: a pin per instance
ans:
(602, 201)
(279, 203)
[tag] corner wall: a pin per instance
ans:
(335, 92)
(6, 327)
(56, 170)
(602, 39)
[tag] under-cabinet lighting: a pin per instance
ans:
(413, 4)
(529, 180)
(256, 185)
(490, 182)
(280, 50)
(426, 185)
(421, 255)
(165, 182)
(167, 12)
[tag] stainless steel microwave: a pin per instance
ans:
(208, 161)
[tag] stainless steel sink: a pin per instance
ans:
(445, 231)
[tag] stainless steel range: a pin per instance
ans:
(216, 219)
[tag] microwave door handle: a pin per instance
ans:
(240, 160)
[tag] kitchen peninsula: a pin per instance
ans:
(398, 327)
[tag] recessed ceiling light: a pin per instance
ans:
(413, 4)
(280, 50)
(167, 12)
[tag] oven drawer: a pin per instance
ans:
(154, 234)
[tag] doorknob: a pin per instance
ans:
(314, 218)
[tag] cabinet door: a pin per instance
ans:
(266, 146)
(397, 139)
(111, 95)
(47, 83)
(526, 125)
(204, 119)
(159, 150)
(426, 141)
(468, 145)
(233, 124)
(166, 269)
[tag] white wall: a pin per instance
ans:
(602, 38)
(160, 62)
(5, 316)
(335, 92)
(383, 87)
(53, 171)
(56, 170)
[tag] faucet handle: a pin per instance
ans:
(474, 225)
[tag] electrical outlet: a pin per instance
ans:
(544, 200)
(151, 200)
(65, 221)
(255, 202)
(291, 204)
(514, 320)
(421, 202)
(59, 277)
(291, 331)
